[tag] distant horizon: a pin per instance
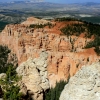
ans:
(58, 1)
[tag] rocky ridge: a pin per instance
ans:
(65, 53)
(34, 20)
(84, 85)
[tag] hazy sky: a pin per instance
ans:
(72, 1)
(62, 1)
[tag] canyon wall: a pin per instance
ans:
(66, 54)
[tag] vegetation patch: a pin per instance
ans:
(41, 25)
(54, 93)
(66, 19)
(82, 27)
(2, 25)
(73, 29)
(4, 51)
(94, 19)
(10, 86)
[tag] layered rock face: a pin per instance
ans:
(84, 85)
(65, 54)
(34, 76)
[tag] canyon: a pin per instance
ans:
(45, 53)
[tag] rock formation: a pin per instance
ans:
(34, 76)
(65, 53)
(84, 85)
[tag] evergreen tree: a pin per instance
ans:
(10, 85)
(54, 93)
(4, 51)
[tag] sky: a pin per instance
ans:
(60, 1)
(73, 1)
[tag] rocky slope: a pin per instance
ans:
(65, 54)
(84, 85)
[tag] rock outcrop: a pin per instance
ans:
(34, 76)
(84, 85)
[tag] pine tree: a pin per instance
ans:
(54, 93)
(10, 86)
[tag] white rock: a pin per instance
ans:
(84, 85)
(34, 75)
